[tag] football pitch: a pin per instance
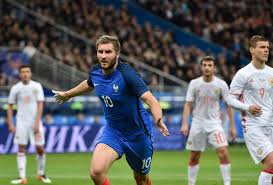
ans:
(168, 168)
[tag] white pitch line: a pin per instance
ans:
(241, 178)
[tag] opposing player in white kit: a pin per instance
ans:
(251, 91)
(204, 95)
(28, 96)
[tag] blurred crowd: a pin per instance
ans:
(228, 23)
(142, 42)
(3, 79)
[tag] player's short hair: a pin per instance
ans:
(105, 39)
(254, 39)
(24, 66)
(208, 58)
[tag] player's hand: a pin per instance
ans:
(184, 129)
(35, 128)
(233, 133)
(11, 128)
(162, 127)
(255, 110)
(60, 97)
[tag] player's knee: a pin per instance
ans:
(22, 149)
(194, 158)
(223, 155)
(97, 173)
(140, 179)
(268, 162)
(40, 150)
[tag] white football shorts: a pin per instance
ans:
(200, 134)
(24, 133)
(259, 141)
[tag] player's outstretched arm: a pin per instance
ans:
(185, 115)
(63, 96)
(154, 105)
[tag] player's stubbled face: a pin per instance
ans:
(25, 74)
(207, 67)
(107, 56)
(261, 51)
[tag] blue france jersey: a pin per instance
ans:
(120, 94)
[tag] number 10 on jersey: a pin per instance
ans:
(107, 100)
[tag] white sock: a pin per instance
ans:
(41, 164)
(225, 170)
(192, 174)
(21, 164)
(265, 178)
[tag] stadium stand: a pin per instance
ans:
(145, 43)
(228, 23)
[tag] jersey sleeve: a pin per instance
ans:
(224, 91)
(237, 84)
(133, 80)
(40, 94)
(89, 81)
(190, 92)
(12, 96)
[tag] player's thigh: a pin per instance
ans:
(197, 139)
(38, 138)
(217, 138)
(103, 157)
(259, 142)
(108, 149)
(22, 133)
(139, 154)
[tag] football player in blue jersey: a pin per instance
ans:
(128, 129)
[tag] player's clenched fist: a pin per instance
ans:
(255, 110)
(60, 96)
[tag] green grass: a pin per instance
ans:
(168, 168)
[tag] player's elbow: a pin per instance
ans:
(230, 101)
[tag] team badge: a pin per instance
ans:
(115, 87)
(216, 92)
(270, 81)
(260, 151)
(35, 91)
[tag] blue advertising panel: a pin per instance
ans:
(78, 138)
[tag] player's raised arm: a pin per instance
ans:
(154, 105)
(63, 96)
